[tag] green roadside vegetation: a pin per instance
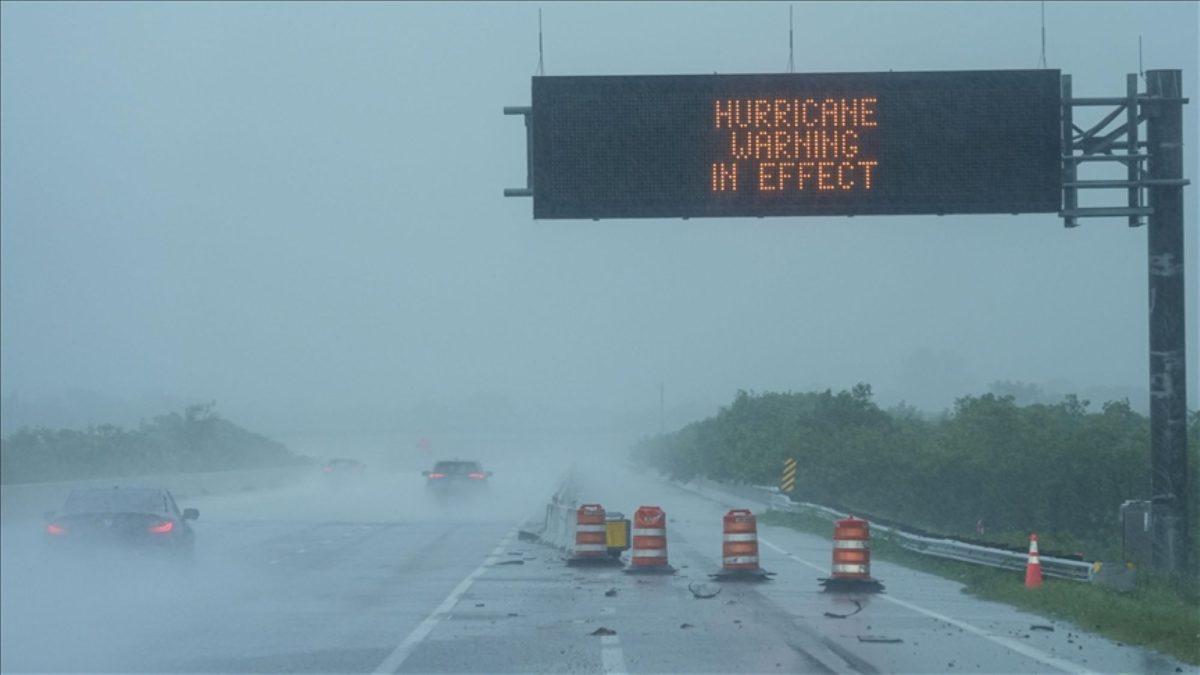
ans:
(1061, 470)
(195, 440)
(1156, 614)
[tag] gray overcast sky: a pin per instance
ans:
(296, 209)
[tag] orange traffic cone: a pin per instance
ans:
(1033, 569)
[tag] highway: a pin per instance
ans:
(372, 576)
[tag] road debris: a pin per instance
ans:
(510, 562)
(1040, 626)
(686, 625)
(604, 631)
(835, 615)
(610, 593)
(878, 639)
(704, 591)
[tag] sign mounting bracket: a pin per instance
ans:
(527, 113)
(1097, 144)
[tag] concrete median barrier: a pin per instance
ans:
(556, 526)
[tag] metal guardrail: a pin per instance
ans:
(1062, 568)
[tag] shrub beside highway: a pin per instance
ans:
(195, 440)
(989, 464)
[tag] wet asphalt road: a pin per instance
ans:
(322, 579)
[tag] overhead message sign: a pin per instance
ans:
(796, 144)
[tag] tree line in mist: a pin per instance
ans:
(989, 463)
(196, 439)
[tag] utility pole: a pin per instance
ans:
(1168, 367)
(662, 415)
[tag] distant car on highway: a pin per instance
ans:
(456, 476)
(342, 467)
(121, 518)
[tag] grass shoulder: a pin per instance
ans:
(1156, 614)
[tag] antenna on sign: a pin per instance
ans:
(1043, 62)
(541, 64)
(791, 50)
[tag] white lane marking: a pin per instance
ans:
(802, 561)
(402, 651)
(612, 659)
(1026, 650)
(1022, 649)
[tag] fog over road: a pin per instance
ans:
(374, 575)
(237, 235)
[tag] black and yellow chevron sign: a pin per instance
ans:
(788, 482)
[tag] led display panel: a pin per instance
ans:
(686, 146)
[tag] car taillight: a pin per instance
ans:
(55, 528)
(478, 475)
(327, 469)
(163, 527)
(437, 475)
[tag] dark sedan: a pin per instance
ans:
(118, 518)
(456, 477)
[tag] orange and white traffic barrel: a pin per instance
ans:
(591, 545)
(739, 548)
(851, 556)
(649, 552)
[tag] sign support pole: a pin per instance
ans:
(1168, 367)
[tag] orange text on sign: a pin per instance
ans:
(796, 144)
